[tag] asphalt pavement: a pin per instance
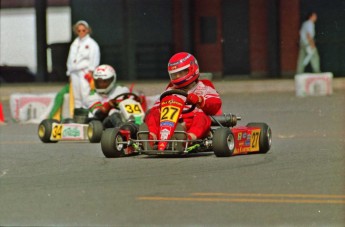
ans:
(299, 182)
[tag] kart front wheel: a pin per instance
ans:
(94, 131)
(223, 142)
(45, 129)
(111, 143)
(265, 139)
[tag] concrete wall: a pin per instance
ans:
(18, 34)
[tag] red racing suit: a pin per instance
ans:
(198, 121)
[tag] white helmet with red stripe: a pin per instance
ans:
(104, 77)
(183, 61)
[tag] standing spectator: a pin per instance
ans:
(308, 52)
(83, 58)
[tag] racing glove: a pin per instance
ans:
(113, 104)
(89, 78)
(194, 99)
(100, 110)
(100, 114)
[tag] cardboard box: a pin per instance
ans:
(313, 84)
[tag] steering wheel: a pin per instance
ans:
(178, 92)
(124, 96)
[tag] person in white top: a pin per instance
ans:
(100, 102)
(84, 56)
(308, 52)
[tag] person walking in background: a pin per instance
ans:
(308, 52)
(83, 58)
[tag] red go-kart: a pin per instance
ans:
(224, 139)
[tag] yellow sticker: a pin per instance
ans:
(133, 109)
(57, 131)
(255, 140)
(170, 113)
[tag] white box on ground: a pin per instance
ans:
(313, 84)
(31, 108)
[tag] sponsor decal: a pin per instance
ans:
(171, 102)
(247, 143)
(71, 132)
(244, 149)
(180, 61)
(167, 124)
(239, 136)
(164, 134)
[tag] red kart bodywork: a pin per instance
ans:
(246, 139)
(171, 109)
(224, 138)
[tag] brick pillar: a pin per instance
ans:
(289, 35)
(177, 25)
(258, 35)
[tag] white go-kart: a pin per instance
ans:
(52, 131)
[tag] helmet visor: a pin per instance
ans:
(103, 84)
(179, 74)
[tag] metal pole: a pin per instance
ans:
(129, 41)
(41, 40)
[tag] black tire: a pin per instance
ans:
(131, 127)
(94, 131)
(223, 142)
(45, 130)
(265, 140)
(109, 143)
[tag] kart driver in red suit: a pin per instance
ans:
(184, 74)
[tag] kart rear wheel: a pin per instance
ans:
(45, 129)
(110, 143)
(94, 131)
(265, 140)
(223, 142)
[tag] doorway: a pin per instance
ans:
(208, 35)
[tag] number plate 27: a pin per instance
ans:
(255, 140)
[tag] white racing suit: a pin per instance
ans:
(83, 57)
(101, 109)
